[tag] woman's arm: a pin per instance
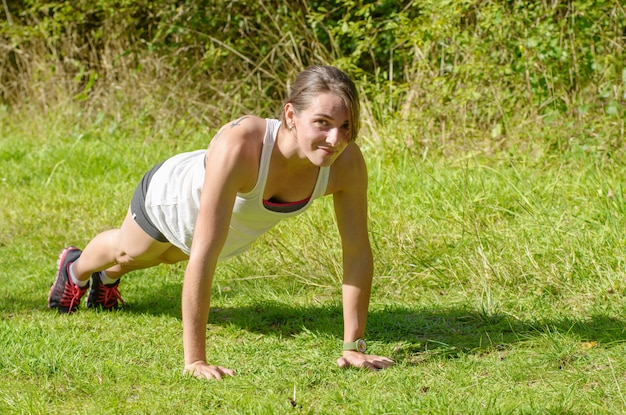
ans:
(230, 165)
(351, 212)
(211, 230)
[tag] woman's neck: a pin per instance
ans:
(287, 154)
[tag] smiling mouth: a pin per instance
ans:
(328, 150)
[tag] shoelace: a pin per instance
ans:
(71, 295)
(109, 296)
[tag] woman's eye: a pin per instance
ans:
(346, 127)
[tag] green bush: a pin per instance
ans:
(460, 68)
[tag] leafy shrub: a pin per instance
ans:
(454, 69)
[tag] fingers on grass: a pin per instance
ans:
(217, 372)
(210, 372)
(368, 362)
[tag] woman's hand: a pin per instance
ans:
(353, 358)
(203, 370)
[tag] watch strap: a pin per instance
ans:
(359, 345)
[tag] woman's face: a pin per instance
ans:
(322, 130)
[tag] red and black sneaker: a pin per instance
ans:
(106, 296)
(64, 294)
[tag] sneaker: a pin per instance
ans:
(64, 294)
(102, 295)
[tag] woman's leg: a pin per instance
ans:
(119, 251)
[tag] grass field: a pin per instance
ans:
(500, 285)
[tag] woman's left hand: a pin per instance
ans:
(368, 361)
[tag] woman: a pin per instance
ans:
(209, 205)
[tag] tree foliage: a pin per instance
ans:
(472, 61)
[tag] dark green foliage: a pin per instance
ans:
(472, 63)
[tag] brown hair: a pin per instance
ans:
(319, 79)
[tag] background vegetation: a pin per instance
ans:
(494, 133)
(445, 71)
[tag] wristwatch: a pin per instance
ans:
(359, 345)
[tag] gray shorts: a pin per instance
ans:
(138, 207)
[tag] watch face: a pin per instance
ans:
(361, 345)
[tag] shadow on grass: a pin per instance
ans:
(461, 328)
(448, 332)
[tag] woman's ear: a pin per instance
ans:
(290, 115)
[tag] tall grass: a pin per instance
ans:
(469, 75)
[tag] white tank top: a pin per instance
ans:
(173, 200)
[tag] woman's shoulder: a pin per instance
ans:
(351, 159)
(349, 169)
(241, 130)
(245, 126)
(241, 138)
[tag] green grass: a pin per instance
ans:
(499, 289)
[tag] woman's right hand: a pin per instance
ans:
(203, 370)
